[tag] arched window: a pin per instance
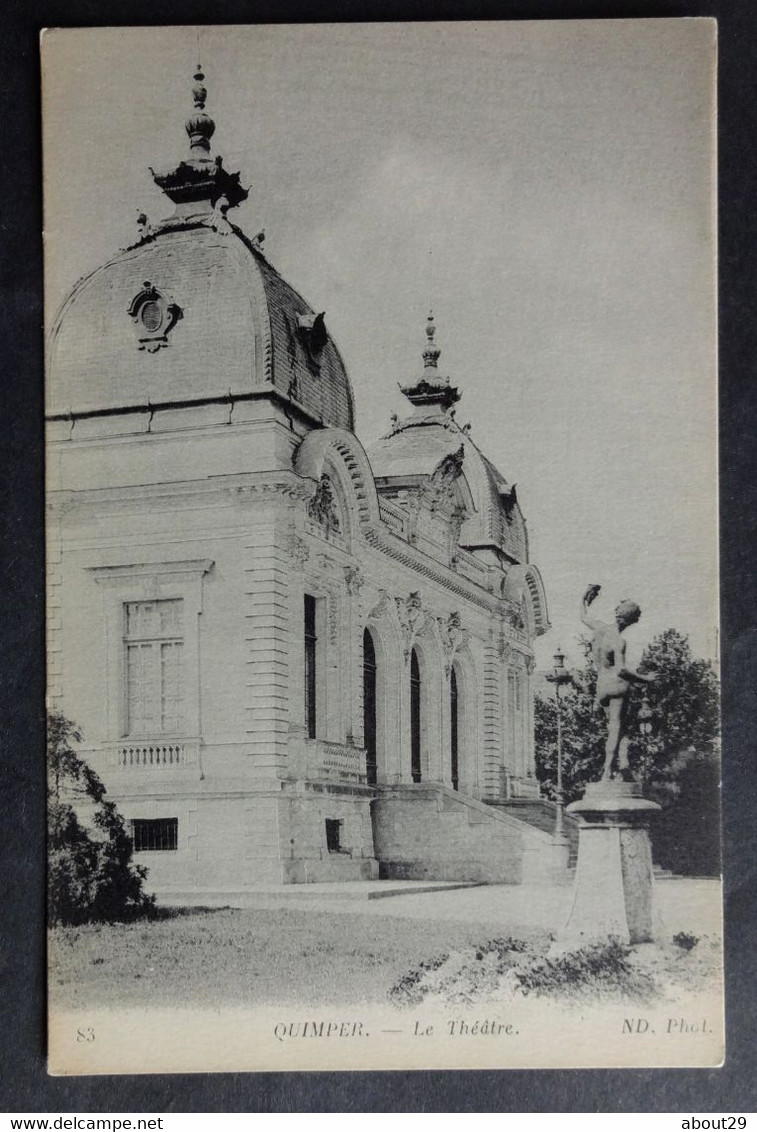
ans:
(454, 722)
(369, 705)
(415, 718)
(311, 654)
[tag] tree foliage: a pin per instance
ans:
(676, 762)
(91, 874)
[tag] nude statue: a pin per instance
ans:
(608, 650)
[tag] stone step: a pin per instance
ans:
(541, 815)
(276, 894)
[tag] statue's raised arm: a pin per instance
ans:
(586, 601)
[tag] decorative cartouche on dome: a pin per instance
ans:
(199, 177)
(430, 389)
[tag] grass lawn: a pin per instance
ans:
(246, 957)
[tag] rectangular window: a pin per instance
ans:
(311, 642)
(333, 835)
(155, 834)
(154, 641)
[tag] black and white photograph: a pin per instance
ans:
(382, 546)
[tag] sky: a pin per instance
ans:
(547, 186)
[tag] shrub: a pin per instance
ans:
(508, 966)
(503, 949)
(91, 875)
(600, 969)
(412, 988)
(686, 940)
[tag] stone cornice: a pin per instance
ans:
(188, 568)
(238, 488)
(290, 486)
(418, 562)
(268, 391)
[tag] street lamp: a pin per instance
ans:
(559, 676)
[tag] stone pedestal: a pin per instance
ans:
(613, 888)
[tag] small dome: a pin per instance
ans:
(188, 314)
(417, 445)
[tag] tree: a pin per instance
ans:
(676, 762)
(685, 710)
(91, 874)
(583, 737)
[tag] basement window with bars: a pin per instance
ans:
(154, 834)
(334, 835)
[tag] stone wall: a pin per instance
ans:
(427, 832)
(305, 850)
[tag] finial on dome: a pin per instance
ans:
(200, 179)
(431, 351)
(430, 389)
(200, 126)
(199, 91)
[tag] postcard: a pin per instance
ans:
(381, 396)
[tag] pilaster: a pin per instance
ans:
(353, 676)
(267, 637)
(492, 696)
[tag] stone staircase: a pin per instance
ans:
(426, 831)
(541, 814)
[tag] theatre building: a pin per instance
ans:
(292, 659)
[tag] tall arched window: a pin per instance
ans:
(415, 717)
(369, 705)
(454, 722)
(311, 653)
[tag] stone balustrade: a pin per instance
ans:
(145, 754)
(335, 761)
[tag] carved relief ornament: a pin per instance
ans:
(353, 577)
(440, 487)
(322, 507)
(412, 617)
(154, 315)
(514, 618)
(380, 607)
(453, 637)
(296, 549)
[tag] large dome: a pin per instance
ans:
(194, 312)
(238, 328)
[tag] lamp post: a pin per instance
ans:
(559, 676)
(645, 716)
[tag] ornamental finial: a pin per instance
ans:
(199, 90)
(431, 351)
(199, 179)
(430, 389)
(200, 126)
